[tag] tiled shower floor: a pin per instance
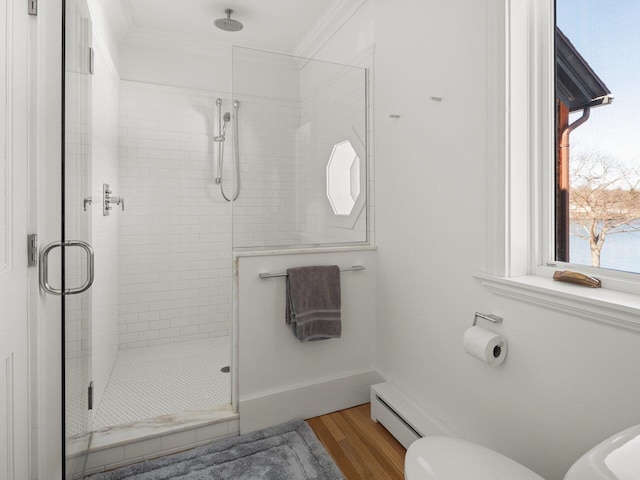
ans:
(163, 379)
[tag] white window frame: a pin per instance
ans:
(520, 178)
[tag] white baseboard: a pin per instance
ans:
(305, 401)
(404, 419)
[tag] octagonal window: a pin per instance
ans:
(343, 178)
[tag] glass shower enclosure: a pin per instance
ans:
(161, 185)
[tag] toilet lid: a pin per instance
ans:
(444, 458)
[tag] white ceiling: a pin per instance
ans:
(268, 24)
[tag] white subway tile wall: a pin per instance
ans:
(175, 232)
(264, 213)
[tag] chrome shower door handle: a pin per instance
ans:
(44, 268)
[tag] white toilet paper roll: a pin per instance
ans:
(485, 345)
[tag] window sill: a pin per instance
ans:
(602, 305)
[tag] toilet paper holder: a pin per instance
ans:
(490, 317)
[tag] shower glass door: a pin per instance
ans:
(75, 246)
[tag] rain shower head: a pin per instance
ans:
(228, 24)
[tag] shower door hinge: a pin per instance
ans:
(90, 395)
(32, 7)
(32, 250)
(91, 60)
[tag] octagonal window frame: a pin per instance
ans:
(343, 178)
(350, 220)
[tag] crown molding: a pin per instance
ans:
(332, 20)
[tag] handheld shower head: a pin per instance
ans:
(226, 119)
(223, 128)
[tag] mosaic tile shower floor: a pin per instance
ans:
(163, 379)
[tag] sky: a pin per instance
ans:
(607, 35)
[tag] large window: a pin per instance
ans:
(570, 145)
(597, 133)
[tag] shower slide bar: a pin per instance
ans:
(346, 269)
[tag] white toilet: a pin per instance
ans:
(444, 458)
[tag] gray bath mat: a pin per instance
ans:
(285, 452)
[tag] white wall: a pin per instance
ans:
(263, 74)
(279, 375)
(152, 59)
(567, 382)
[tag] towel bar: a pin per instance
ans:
(346, 269)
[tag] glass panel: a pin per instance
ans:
(77, 226)
(295, 113)
(162, 321)
(597, 146)
(141, 184)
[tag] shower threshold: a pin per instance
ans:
(122, 445)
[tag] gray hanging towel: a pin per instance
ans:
(313, 302)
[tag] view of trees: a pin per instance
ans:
(604, 199)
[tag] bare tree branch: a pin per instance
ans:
(604, 199)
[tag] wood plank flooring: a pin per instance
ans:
(362, 448)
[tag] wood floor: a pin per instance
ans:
(362, 448)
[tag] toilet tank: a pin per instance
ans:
(617, 458)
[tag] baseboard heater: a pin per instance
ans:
(383, 397)
(405, 420)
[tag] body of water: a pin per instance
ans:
(621, 251)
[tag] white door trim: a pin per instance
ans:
(15, 420)
(46, 151)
